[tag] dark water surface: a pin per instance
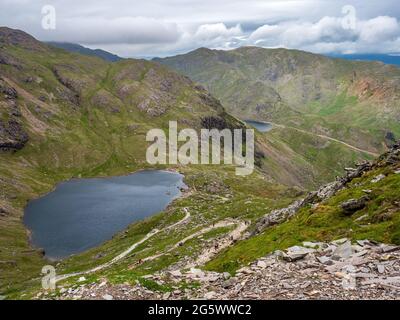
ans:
(259, 125)
(82, 213)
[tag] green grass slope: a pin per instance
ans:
(355, 102)
(379, 220)
(85, 117)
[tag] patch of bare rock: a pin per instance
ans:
(336, 270)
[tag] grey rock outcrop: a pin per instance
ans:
(351, 206)
(325, 192)
(12, 136)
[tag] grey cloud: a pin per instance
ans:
(128, 30)
(159, 28)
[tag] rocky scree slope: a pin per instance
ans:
(364, 204)
(315, 270)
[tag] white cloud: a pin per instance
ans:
(329, 35)
(378, 29)
(160, 27)
(208, 32)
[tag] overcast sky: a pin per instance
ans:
(149, 28)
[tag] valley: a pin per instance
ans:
(348, 102)
(69, 116)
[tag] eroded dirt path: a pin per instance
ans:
(227, 241)
(327, 138)
(123, 254)
(208, 253)
(205, 256)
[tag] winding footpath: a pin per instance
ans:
(208, 253)
(203, 257)
(126, 252)
(327, 138)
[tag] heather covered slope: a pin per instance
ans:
(356, 102)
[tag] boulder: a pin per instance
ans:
(3, 212)
(294, 257)
(325, 260)
(353, 205)
(339, 241)
(12, 135)
(9, 92)
(387, 248)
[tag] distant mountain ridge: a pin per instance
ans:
(393, 59)
(77, 48)
(354, 101)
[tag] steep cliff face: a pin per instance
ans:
(12, 134)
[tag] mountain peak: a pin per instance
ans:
(20, 38)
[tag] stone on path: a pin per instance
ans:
(325, 260)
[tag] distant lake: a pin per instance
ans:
(259, 125)
(83, 213)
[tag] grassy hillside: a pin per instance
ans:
(378, 219)
(66, 115)
(355, 102)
